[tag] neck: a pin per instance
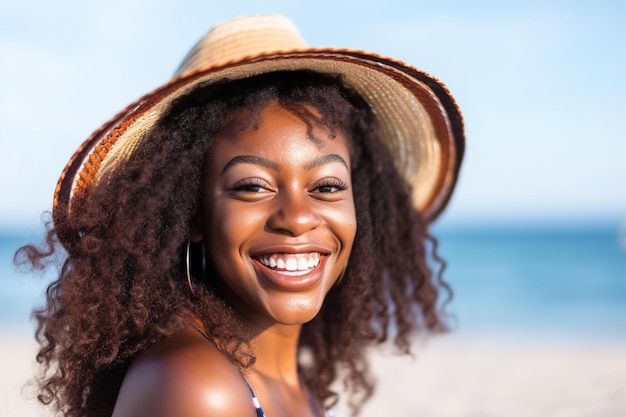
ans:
(276, 351)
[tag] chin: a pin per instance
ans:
(296, 312)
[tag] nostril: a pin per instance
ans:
(294, 218)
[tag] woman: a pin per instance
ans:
(238, 237)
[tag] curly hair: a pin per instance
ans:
(122, 286)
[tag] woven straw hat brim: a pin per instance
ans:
(421, 124)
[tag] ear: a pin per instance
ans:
(197, 228)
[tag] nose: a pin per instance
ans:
(294, 214)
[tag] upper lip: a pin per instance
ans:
(293, 249)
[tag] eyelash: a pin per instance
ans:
(336, 183)
(252, 185)
(248, 183)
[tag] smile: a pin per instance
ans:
(290, 262)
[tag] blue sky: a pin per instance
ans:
(541, 85)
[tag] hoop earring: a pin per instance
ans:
(188, 262)
(188, 266)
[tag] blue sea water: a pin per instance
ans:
(550, 281)
(547, 281)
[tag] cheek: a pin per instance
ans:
(343, 222)
(223, 234)
(230, 227)
(351, 225)
(228, 231)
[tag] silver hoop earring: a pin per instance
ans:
(196, 265)
(187, 264)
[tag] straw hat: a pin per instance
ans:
(420, 122)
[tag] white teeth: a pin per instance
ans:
(303, 264)
(291, 262)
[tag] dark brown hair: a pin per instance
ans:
(122, 285)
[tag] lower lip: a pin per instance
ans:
(291, 280)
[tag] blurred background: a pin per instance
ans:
(535, 236)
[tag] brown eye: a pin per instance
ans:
(251, 185)
(331, 185)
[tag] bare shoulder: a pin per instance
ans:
(183, 375)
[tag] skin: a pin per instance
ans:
(269, 192)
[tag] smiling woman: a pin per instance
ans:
(240, 235)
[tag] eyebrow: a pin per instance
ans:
(258, 160)
(251, 159)
(323, 160)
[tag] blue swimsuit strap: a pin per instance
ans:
(255, 400)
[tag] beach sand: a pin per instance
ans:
(450, 376)
(456, 376)
(17, 365)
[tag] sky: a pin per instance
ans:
(540, 83)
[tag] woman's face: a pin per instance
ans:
(278, 215)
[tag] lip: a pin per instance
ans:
(291, 280)
(292, 248)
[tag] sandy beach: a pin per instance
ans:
(465, 377)
(450, 376)
(17, 362)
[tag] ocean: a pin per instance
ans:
(557, 281)
(531, 280)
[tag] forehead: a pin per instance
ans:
(273, 129)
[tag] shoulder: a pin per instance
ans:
(183, 375)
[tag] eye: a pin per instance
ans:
(251, 185)
(330, 185)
